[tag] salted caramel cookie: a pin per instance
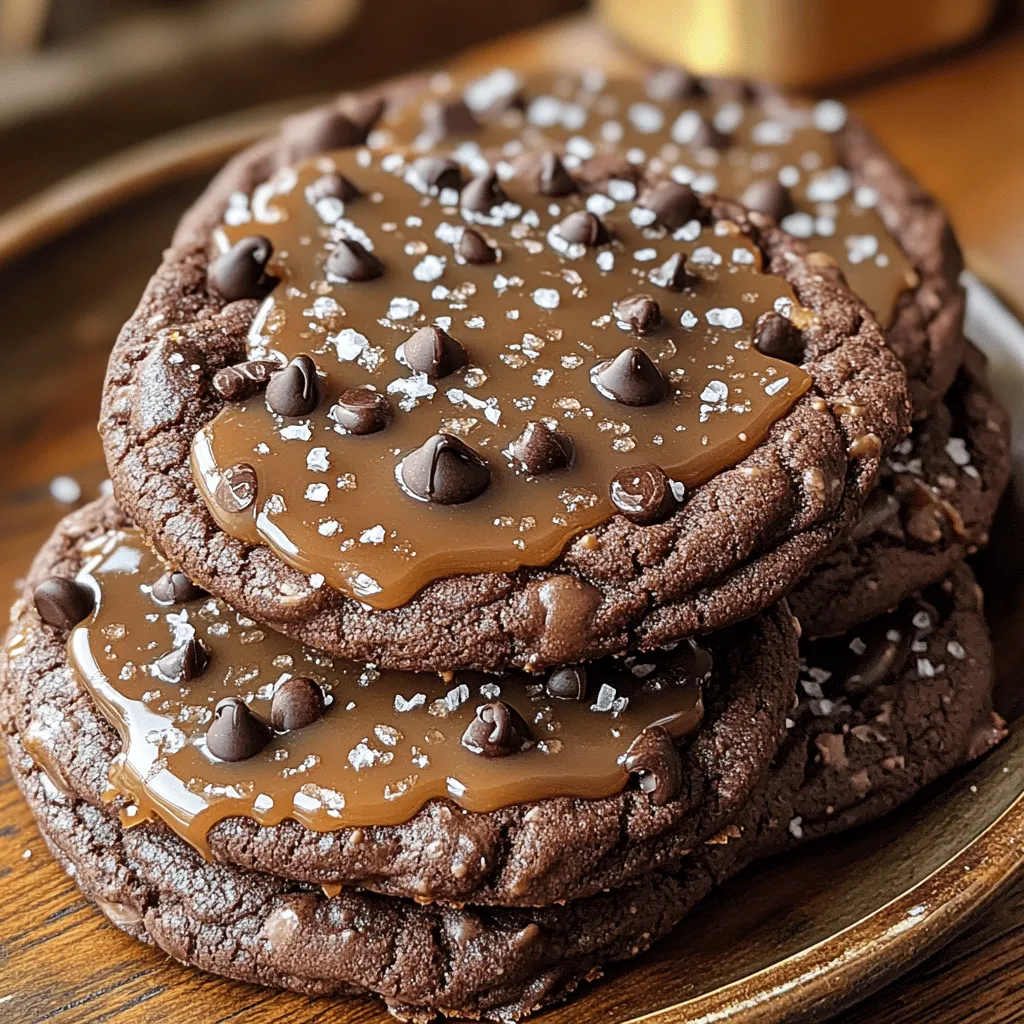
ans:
(812, 166)
(934, 504)
(868, 733)
(413, 413)
(127, 681)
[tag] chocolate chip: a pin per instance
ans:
(298, 702)
(295, 389)
(641, 312)
(433, 173)
(63, 603)
(776, 337)
(243, 380)
(236, 489)
(445, 471)
(768, 196)
(471, 248)
(727, 89)
(672, 84)
(364, 111)
(582, 228)
(673, 274)
(539, 449)
(653, 757)
(317, 131)
(349, 261)
(672, 203)
(630, 378)
(552, 177)
(569, 682)
(237, 733)
(599, 170)
(184, 663)
(434, 352)
(176, 588)
(241, 272)
(497, 731)
(331, 186)
(643, 494)
(361, 411)
(483, 193)
(443, 119)
(707, 136)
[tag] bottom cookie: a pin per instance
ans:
(862, 741)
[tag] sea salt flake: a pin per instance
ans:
(317, 460)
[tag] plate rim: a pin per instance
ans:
(809, 985)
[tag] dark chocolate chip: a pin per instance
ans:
(552, 177)
(673, 84)
(295, 389)
(443, 119)
(776, 337)
(673, 204)
(599, 170)
(243, 380)
(582, 228)
(361, 411)
(434, 352)
(237, 733)
(331, 186)
(184, 663)
(298, 702)
(641, 312)
(643, 494)
(653, 757)
(472, 248)
(445, 470)
(241, 272)
(497, 731)
(432, 173)
(630, 378)
(707, 136)
(63, 603)
(539, 449)
(569, 682)
(363, 111)
(236, 490)
(673, 274)
(483, 193)
(768, 196)
(349, 261)
(317, 131)
(176, 588)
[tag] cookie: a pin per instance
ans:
(436, 463)
(813, 167)
(338, 774)
(934, 504)
(877, 741)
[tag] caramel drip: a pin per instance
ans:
(387, 743)
(533, 326)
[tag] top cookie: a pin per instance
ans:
(811, 166)
(481, 424)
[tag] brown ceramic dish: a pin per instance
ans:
(794, 939)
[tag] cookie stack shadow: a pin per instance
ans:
(535, 501)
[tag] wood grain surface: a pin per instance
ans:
(959, 124)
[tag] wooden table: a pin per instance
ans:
(959, 124)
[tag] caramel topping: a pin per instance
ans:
(777, 155)
(365, 747)
(468, 354)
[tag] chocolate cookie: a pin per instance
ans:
(935, 501)
(812, 167)
(857, 748)
(606, 495)
(328, 773)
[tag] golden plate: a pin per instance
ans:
(795, 938)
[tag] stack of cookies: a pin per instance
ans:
(535, 500)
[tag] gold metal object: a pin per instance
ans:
(792, 42)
